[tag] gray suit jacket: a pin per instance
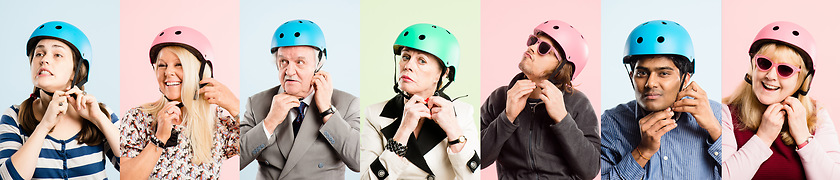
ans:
(320, 150)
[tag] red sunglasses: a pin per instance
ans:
(543, 48)
(785, 70)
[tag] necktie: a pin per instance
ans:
(299, 119)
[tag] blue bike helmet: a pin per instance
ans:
(299, 32)
(70, 35)
(660, 37)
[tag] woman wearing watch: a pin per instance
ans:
(777, 131)
(421, 133)
(194, 125)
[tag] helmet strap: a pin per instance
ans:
(556, 71)
(396, 84)
(201, 76)
(322, 54)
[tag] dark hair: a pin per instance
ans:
(681, 62)
(563, 79)
(89, 134)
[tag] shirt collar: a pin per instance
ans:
(306, 100)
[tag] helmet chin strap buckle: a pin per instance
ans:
(748, 79)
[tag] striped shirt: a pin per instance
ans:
(59, 159)
(686, 152)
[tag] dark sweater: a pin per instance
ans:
(533, 146)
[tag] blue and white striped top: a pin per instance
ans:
(59, 159)
(686, 152)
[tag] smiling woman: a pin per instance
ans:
(775, 124)
(194, 125)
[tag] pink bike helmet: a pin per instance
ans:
(571, 42)
(188, 38)
(185, 37)
(794, 36)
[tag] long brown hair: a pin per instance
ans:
(751, 110)
(89, 134)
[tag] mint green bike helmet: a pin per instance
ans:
(434, 40)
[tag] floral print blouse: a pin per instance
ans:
(175, 162)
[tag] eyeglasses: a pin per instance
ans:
(785, 70)
(543, 48)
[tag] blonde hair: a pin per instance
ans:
(200, 125)
(751, 110)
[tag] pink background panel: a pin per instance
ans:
(505, 26)
(141, 21)
(743, 19)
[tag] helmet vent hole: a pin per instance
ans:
(664, 23)
(581, 36)
(775, 28)
(281, 35)
(639, 40)
(422, 37)
(795, 33)
(546, 22)
(297, 34)
(644, 23)
(405, 34)
(57, 27)
(161, 34)
(556, 27)
(42, 26)
(571, 26)
(300, 21)
(177, 32)
(660, 39)
(447, 32)
(433, 26)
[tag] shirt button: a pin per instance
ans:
(665, 158)
(320, 165)
(717, 153)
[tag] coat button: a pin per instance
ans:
(473, 164)
(320, 165)
(381, 173)
(430, 177)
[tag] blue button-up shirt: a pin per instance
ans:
(686, 152)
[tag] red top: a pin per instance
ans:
(783, 164)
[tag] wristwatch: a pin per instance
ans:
(462, 139)
(327, 112)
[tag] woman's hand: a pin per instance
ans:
(771, 124)
(170, 114)
(413, 111)
(797, 119)
(56, 110)
(217, 93)
(443, 113)
(87, 107)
